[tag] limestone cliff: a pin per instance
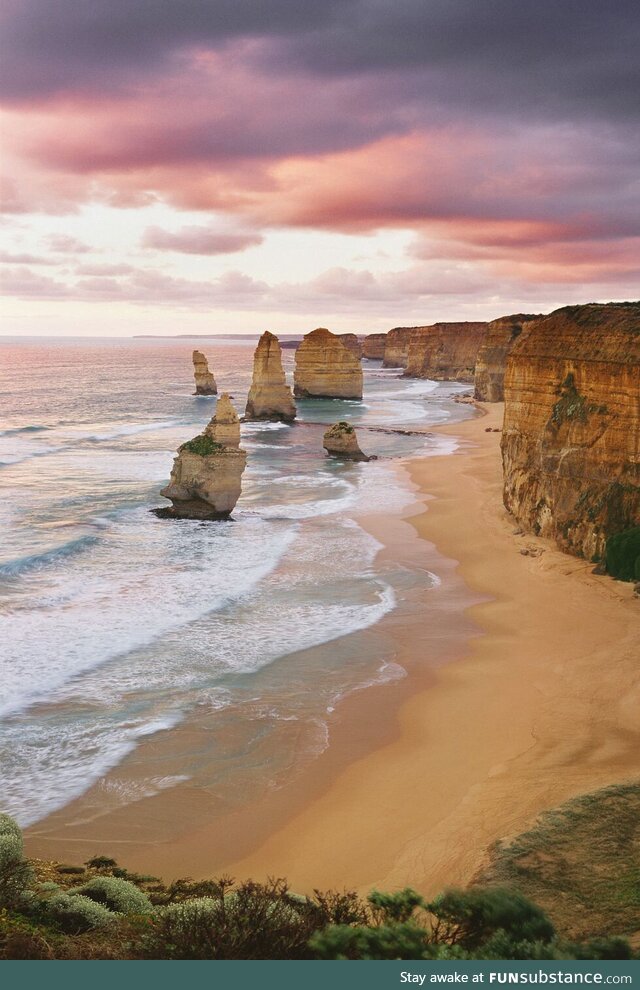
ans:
(492, 356)
(445, 351)
(206, 476)
(340, 440)
(373, 346)
(325, 368)
(205, 382)
(269, 396)
(571, 436)
(396, 348)
(352, 342)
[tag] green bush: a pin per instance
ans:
(9, 826)
(623, 555)
(10, 850)
(203, 445)
(471, 917)
(115, 894)
(74, 913)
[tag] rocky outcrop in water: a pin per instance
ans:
(445, 351)
(206, 478)
(325, 368)
(340, 440)
(373, 346)
(396, 348)
(269, 396)
(205, 382)
(492, 357)
(352, 342)
(571, 435)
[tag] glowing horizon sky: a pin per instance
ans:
(177, 166)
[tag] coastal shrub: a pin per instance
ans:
(203, 445)
(398, 941)
(623, 555)
(9, 826)
(15, 872)
(115, 894)
(470, 917)
(101, 863)
(74, 913)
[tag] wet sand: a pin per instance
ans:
(421, 776)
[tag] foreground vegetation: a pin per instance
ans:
(102, 911)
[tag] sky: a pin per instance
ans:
(212, 166)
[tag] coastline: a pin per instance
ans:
(522, 719)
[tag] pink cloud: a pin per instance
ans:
(198, 240)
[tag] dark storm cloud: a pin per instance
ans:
(549, 56)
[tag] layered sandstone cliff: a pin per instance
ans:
(325, 368)
(206, 478)
(445, 351)
(340, 440)
(205, 382)
(352, 342)
(492, 357)
(269, 396)
(373, 346)
(571, 436)
(396, 347)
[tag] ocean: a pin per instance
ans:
(117, 626)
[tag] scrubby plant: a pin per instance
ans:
(15, 872)
(623, 555)
(470, 917)
(203, 445)
(9, 826)
(101, 863)
(115, 894)
(74, 913)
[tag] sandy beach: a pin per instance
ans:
(532, 699)
(540, 708)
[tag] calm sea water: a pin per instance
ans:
(116, 625)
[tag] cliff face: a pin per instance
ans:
(571, 437)
(373, 346)
(340, 440)
(396, 348)
(445, 351)
(352, 342)
(492, 356)
(205, 382)
(269, 396)
(325, 368)
(206, 478)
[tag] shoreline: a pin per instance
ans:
(478, 747)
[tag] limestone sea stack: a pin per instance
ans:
(325, 368)
(396, 348)
(269, 396)
(445, 351)
(340, 440)
(373, 346)
(207, 472)
(205, 382)
(492, 357)
(571, 435)
(352, 341)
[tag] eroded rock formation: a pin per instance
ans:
(269, 396)
(396, 348)
(351, 341)
(340, 440)
(492, 357)
(206, 478)
(325, 368)
(571, 435)
(205, 382)
(224, 427)
(445, 351)
(373, 346)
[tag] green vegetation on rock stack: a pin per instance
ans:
(203, 445)
(623, 555)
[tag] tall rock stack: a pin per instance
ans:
(396, 349)
(205, 382)
(206, 478)
(445, 351)
(571, 435)
(326, 369)
(269, 396)
(351, 341)
(373, 346)
(491, 363)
